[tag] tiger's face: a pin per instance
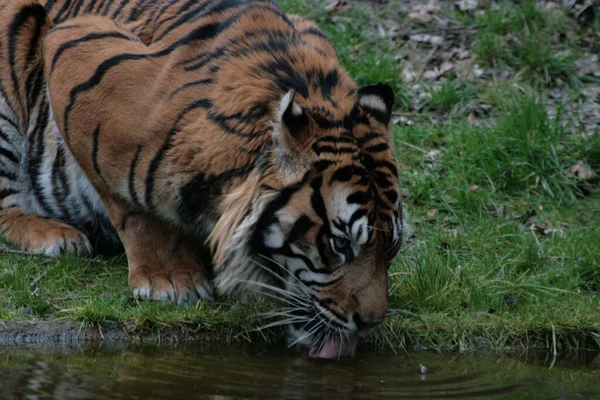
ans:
(329, 236)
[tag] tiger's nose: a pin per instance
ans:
(366, 321)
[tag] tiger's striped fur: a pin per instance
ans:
(166, 125)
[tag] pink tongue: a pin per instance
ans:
(334, 348)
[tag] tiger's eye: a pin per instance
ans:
(340, 243)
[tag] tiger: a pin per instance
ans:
(218, 143)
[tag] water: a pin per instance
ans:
(220, 371)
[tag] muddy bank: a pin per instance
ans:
(65, 332)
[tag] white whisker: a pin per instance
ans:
(302, 284)
(279, 323)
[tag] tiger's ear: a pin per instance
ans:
(290, 134)
(377, 100)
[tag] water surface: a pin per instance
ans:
(220, 371)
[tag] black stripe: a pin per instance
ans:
(34, 86)
(299, 229)
(368, 137)
(391, 195)
(198, 195)
(314, 32)
(77, 7)
(9, 121)
(358, 214)
(60, 184)
(132, 167)
(20, 19)
(95, 150)
(298, 273)
(168, 144)
(100, 6)
(361, 198)
(318, 205)
(37, 150)
(9, 155)
(90, 6)
(200, 33)
(87, 38)
(343, 174)
(334, 150)
(62, 11)
(219, 7)
(188, 85)
(119, 10)
(268, 217)
(11, 176)
(378, 148)
(4, 193)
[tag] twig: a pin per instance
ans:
(131, 298)
(20, 252)
(7, 250)
(437, 29)
(69, 298)
(411, 146)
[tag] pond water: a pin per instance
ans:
(220, 371)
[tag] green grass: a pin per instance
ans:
(507, 245)
(521, 36)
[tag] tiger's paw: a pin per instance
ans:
(62, 241)
(184, 285)
(40, 235)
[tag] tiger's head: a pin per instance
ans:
(328, 221)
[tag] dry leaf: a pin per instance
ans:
(581, 171)
(432, 154)
(339, 4)
(425, 38)
(421, 17)
(431, 214)
(471, 118)
(400, 120)
(473, 188)
(588, 66)
(466, 5)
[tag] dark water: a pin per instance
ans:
(219, 371)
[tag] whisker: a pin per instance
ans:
(288, 295)
(280, 314)
(287, 270)
(275, 274)
(377, 229)
(279, 323)
(290, 301)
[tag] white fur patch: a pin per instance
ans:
(239, 267)
(274, 237)
(374, 102)
(361, 227)
(285, 103)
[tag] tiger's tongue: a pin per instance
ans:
(334, 348)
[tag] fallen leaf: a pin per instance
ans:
(466, 5)
(431, 6)
(473, 188)
(426, 38)
(472, 118)
(400, 120)
(431, 214)
(339, 4)
(581, 171)
(421, 17)
(588, 66)
(432, 154)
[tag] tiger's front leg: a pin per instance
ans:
(100, 82)
(161, 262)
